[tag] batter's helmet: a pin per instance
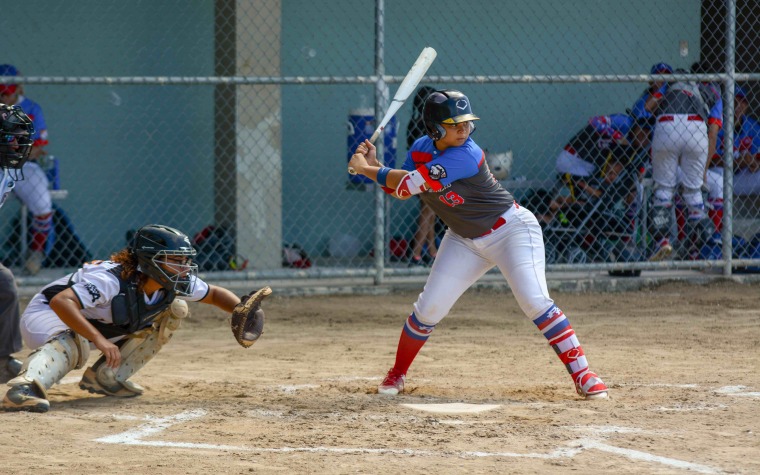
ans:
(16, 131)
(152, 245)
(445, 107)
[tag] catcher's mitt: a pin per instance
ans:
(248, 318)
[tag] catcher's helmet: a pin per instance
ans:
(165, 255)
(16, 131)
(445, 107)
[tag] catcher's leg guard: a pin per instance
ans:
(135, 353)
(45, 367)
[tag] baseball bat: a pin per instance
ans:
(405, 89)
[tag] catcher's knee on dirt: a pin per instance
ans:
(49, 363)
(136, 351)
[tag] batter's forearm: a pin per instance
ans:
(392, 180)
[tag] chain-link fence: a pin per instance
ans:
(233, 121)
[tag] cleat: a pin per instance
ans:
(392, 384)
(90, 383)
(663, 251)
(25, 397)
(590, 386)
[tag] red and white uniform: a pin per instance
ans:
(486, 228)
(681, 140)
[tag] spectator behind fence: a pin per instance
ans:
(587, 150)
(615, 185)
(33, 190)
(746, 158)
(644, 105)
(617, 178)
(689, 116)
(16, 132)
(425, 235)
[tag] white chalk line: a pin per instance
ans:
(690, 407)
(659, 385)
(737, 391)
(155, 426)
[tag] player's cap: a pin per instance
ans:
(661, 68)
(740, 92)
(8, 70)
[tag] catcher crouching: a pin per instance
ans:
(127, 307)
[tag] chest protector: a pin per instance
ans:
(129, 311)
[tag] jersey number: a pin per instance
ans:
(451, 199)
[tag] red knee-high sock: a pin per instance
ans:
(413, 336)
(716, 213)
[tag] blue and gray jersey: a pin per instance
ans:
(701, 99)
(463, 192)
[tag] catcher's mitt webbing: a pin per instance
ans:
(248, 318)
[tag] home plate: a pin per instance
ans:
(453, 408)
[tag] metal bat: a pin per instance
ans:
(405, 89)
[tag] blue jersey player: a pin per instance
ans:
(486, 228)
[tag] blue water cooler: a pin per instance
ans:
(361, 125)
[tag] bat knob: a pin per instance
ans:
(351, 171)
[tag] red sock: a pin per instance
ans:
(413, 337)
(716, 214)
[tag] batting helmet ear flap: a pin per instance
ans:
(434, 131)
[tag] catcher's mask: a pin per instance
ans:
(446, 107)
(16, 130)
(165, 255)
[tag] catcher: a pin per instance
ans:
(126, 307)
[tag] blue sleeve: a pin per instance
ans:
(639, 107)
(719, 143)
(621, 122)
(754, 132)
(458, 162)
(39, 119)
(408, 163)
(717, 110)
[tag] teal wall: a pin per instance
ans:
(129, 154)
(134, 154)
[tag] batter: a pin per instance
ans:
(486, 228)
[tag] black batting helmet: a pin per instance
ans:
(445, 107)
(152, 244)
(16, 130)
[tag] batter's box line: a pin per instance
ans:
(155, 426)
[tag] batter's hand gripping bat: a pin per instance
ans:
(405, 89)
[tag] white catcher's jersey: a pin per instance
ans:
(95, 285)
(6, 185)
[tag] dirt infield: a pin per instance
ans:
(681, 360)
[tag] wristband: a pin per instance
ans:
(382, 176)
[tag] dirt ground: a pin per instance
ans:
(682, 362)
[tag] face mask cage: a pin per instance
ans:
(14, 152)
(177, 271)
